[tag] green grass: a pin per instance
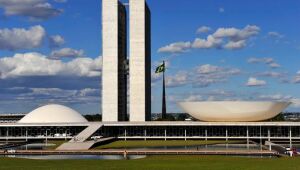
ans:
(153, 143)
(158, 162)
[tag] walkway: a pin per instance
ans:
(81, 142)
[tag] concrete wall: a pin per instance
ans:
(114, 52)
(140, 61)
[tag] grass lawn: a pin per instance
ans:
(153, 143)
(158, 162)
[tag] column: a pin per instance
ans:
(290, 137)
(125, 132)
(247, 137)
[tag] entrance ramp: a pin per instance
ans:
(81, 142)
(82, 145)
(86, 133)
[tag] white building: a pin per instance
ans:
(114, 79)
(140, 61)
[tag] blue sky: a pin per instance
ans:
(50, 52)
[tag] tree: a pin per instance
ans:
(277, 118)
(182, 117)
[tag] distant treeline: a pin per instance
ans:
(93, 118)
(184, 116)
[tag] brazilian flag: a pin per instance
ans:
(160, 68)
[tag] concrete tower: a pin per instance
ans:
(140, 61)
(114, 79)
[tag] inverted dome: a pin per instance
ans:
(236, 111)
(53, 113)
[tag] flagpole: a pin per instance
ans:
(164, 110)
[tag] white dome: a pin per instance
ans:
(236, 111)
(53, 113)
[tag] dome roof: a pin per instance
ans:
(233, 111)
(53, 113)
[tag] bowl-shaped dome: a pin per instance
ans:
(235, 111)
(53, 113)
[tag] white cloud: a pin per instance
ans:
(295, 102)
(235, 34)
(57, 95)
(49, 92)
(193, 98)
(201, 76)
(274, 34)
(296, 79)
(271, 74)
(203, 29)
(221, 10)
(35, 64)
(19, 38)
(207, 69)
(276, 97)
(208, 74)
(210, 42)
(266, 60)
(222, 38)
(66, 52)
(252, 81)
(179, 79)
(177, 47)
(280, 97)
(61, 1)
(88, 92)
(56, 41)
(235, 45)
(261, 60)
(274, 65)
(34, 9)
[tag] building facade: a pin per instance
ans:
(114, 78)
(140, 61)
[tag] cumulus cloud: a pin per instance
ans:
(274, 65)
(193, 98)
(33, 9)
(296, 79)
(19, 38)
(56, 41)
(88, 92)
(266, 60)
(210, 42)
(235, 34)
(252, 81)
(280, 97)
(276, 97)
(271, 74)
(203, 29)
(179, 79)
(260, 60)
(67, 52)
(201, 76)
(42, 96)
(222, 38)
(35, 64)
(177, 47)
(235, 45)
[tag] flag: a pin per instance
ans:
(160, 68)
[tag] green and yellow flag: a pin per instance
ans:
(160, 68)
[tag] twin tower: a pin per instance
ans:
(115, 81)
